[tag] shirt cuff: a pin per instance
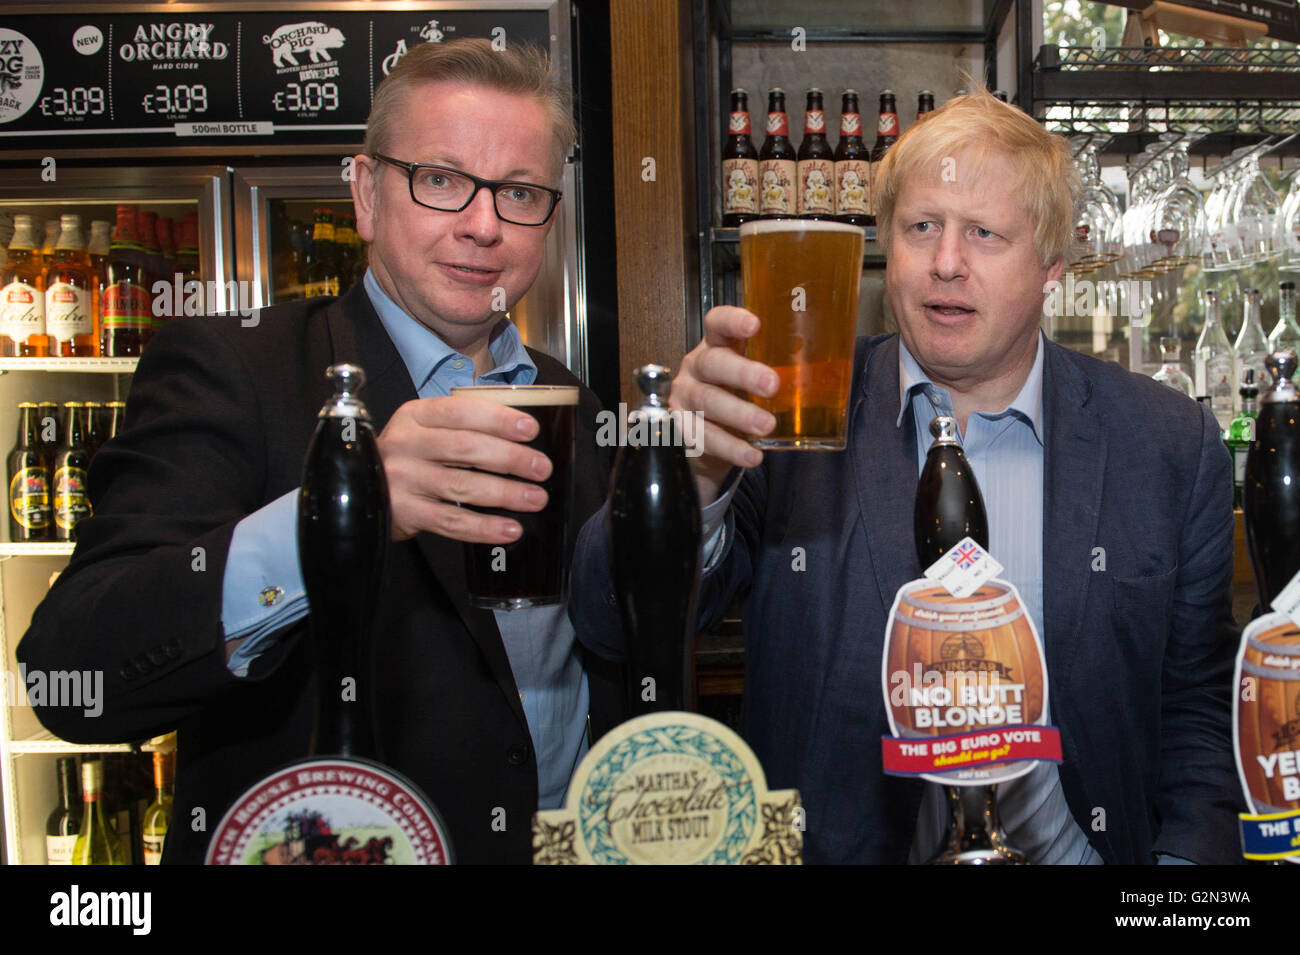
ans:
(713, 523)
(262, 591)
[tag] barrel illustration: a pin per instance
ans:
(976, 643)
(1268, 721)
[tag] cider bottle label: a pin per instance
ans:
(777, 177)
(71, 504)
(22, 311)
(740, 186)
(126, 305)
(853, 186)
(816, 186)
(67, 311)
(29, 498)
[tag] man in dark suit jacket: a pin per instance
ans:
(1109, 495)
(218, 421)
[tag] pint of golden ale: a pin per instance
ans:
(801, 279)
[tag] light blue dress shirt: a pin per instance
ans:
(539, 642)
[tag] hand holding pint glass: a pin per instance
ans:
(531, 571)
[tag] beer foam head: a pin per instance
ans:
(797, 225)
(521, 396)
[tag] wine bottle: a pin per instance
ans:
(64, 821)
(97, 842)
(654, 536)
(156, 818)
(1271, 495)
(949, 505)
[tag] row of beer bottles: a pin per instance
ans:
(324, 258)
(73, 299)
(48, 495)
(815, 182)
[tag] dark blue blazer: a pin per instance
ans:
(1139, 654)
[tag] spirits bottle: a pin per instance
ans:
(156, 818)
(1215, 362)
(64, 821)
(1251, 347)
(1171, 372)
(654, 536)
(97, 843)
(1241, 433)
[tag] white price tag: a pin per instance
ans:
(1288, 601)
(963, 568)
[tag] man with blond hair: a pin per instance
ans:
(487, 713)
(1109, 503)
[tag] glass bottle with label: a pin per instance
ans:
(64, 822)
(166, 229)
(1215, 362)
(1171, 372)
(30, 515)
(71, 292)
(739, 165)
(776, 162)
(886, 136)
(101, 236)
(1285, 334)
(187, 265)
(126, 308)
(22, 296)
(71, 461)
(852, 165)
(153, 825)
(1251, 347)
(322, 261)
(47, 245)
(1241, 433)
(97, 843)
(815, 166)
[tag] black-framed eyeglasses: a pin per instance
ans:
(450, 190)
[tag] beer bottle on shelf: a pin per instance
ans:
(924, 104)
(64, 821)
(739, 166)
(1241, 433)
(654, 539)
(286, 259)
(94, 419)
(777, 162)
(30, 515)
(72, 296)
(97, 842)
(886, 136)
(101, 235)
(349, 245)
(71, 461)
(157, 816)
(852, 165)
(22, 296)
(116, 417)
(47, 246)
(47, 422)
(166, 248)
(1271, 496)
(127, 316)
(815, 167)
(147, 230)
(187, 253)
(949, 505)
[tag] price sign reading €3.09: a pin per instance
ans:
(671, 788)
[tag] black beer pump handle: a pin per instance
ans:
(949, 506)
(343, 533)
(655, 548)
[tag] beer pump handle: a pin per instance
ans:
(343, 533)
(1281, 365)
(949, 506)
(654, 537)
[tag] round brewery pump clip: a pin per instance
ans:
(964, 677)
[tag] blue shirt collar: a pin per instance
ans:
(1028, 404)
(431, 362)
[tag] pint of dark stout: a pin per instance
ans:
(531, 571)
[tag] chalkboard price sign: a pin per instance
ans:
(186, 78)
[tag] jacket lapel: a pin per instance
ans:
(358, 335)
(885, 472)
